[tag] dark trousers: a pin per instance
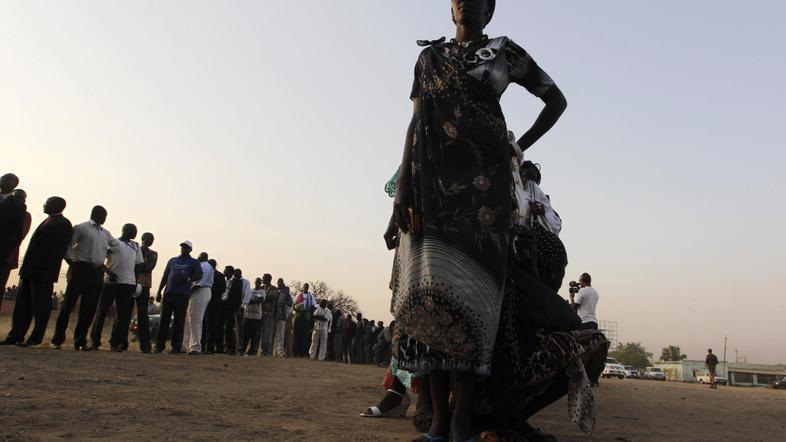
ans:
(86, 282)
(229, 324)
(5, 272)
(300, 348)
(338, 346)
(121, 296)
(592, 325)
(177, 304)
(143, 319)
(33, 301)
(211, 329)
(346, 355)
(251, 332)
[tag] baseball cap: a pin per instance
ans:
(187, 243)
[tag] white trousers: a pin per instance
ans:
(281, 327)
(197, 305)
(318, 342)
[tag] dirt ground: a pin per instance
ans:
(48, 394)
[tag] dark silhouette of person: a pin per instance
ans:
(144, 277)
(12, 216)
(12, 260)
(227, 310)
(212, 341)
(39, 272)
(179, 274)
(85, 256)
(119, 288)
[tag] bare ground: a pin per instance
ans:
(47, 394)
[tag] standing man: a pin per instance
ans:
(212, 333)
(252, 320)
(269, 304)
(711, 362)
(322, 322)
(197, 304)
(350, 330)
(119, 286)
(303, 309)
(585, 303)
(12, 216)
(283, 310)
(40, 270)
(236, 297)
(360, 340)
(337, 335)
(180, 272)
(85, 256)
(12, 260)
(144, 277)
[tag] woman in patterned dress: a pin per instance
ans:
(454, 211)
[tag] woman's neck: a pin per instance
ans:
(468, 33)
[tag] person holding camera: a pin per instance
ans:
(584, 299)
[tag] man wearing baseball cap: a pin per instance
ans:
(181, 271)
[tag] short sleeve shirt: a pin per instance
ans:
(512, 64)
(121, 259)
(587, 299)
(180, 272)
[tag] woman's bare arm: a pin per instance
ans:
(555, 106)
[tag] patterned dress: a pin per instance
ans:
(448, 278)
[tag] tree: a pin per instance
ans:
(335, 298)
(672, 353)
(632, 353)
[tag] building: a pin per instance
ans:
(745, 375)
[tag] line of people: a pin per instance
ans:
(203, 311)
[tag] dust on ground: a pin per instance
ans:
(63, 394)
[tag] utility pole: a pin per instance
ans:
(725, 338)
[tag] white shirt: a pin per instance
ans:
(323, 326)
(532, 192)
(587, 299)
(89, 243)
(207, 275)
(121, 260)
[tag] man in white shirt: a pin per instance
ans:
(119, 286)
(323, 319)
(585, 303)
(85, 257)
(197, 305)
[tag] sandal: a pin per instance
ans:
(397, 411)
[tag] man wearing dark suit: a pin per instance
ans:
(40, 270)
(12, 216)
(213, 332)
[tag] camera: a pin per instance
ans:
(574, 287)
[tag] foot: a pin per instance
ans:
(8, 342)
(174, 351)
(40, 346)
(159, 350)
(532, 434)
(55, 346)
(82, 348)
(118, 349)
(193, 352)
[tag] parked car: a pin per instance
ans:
(631, 372)
(613, 369)
(779, 385)
(654, 373)
(155, 323)
(705, 379)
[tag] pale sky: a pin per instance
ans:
(264, 131)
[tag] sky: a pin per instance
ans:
(264, 131)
